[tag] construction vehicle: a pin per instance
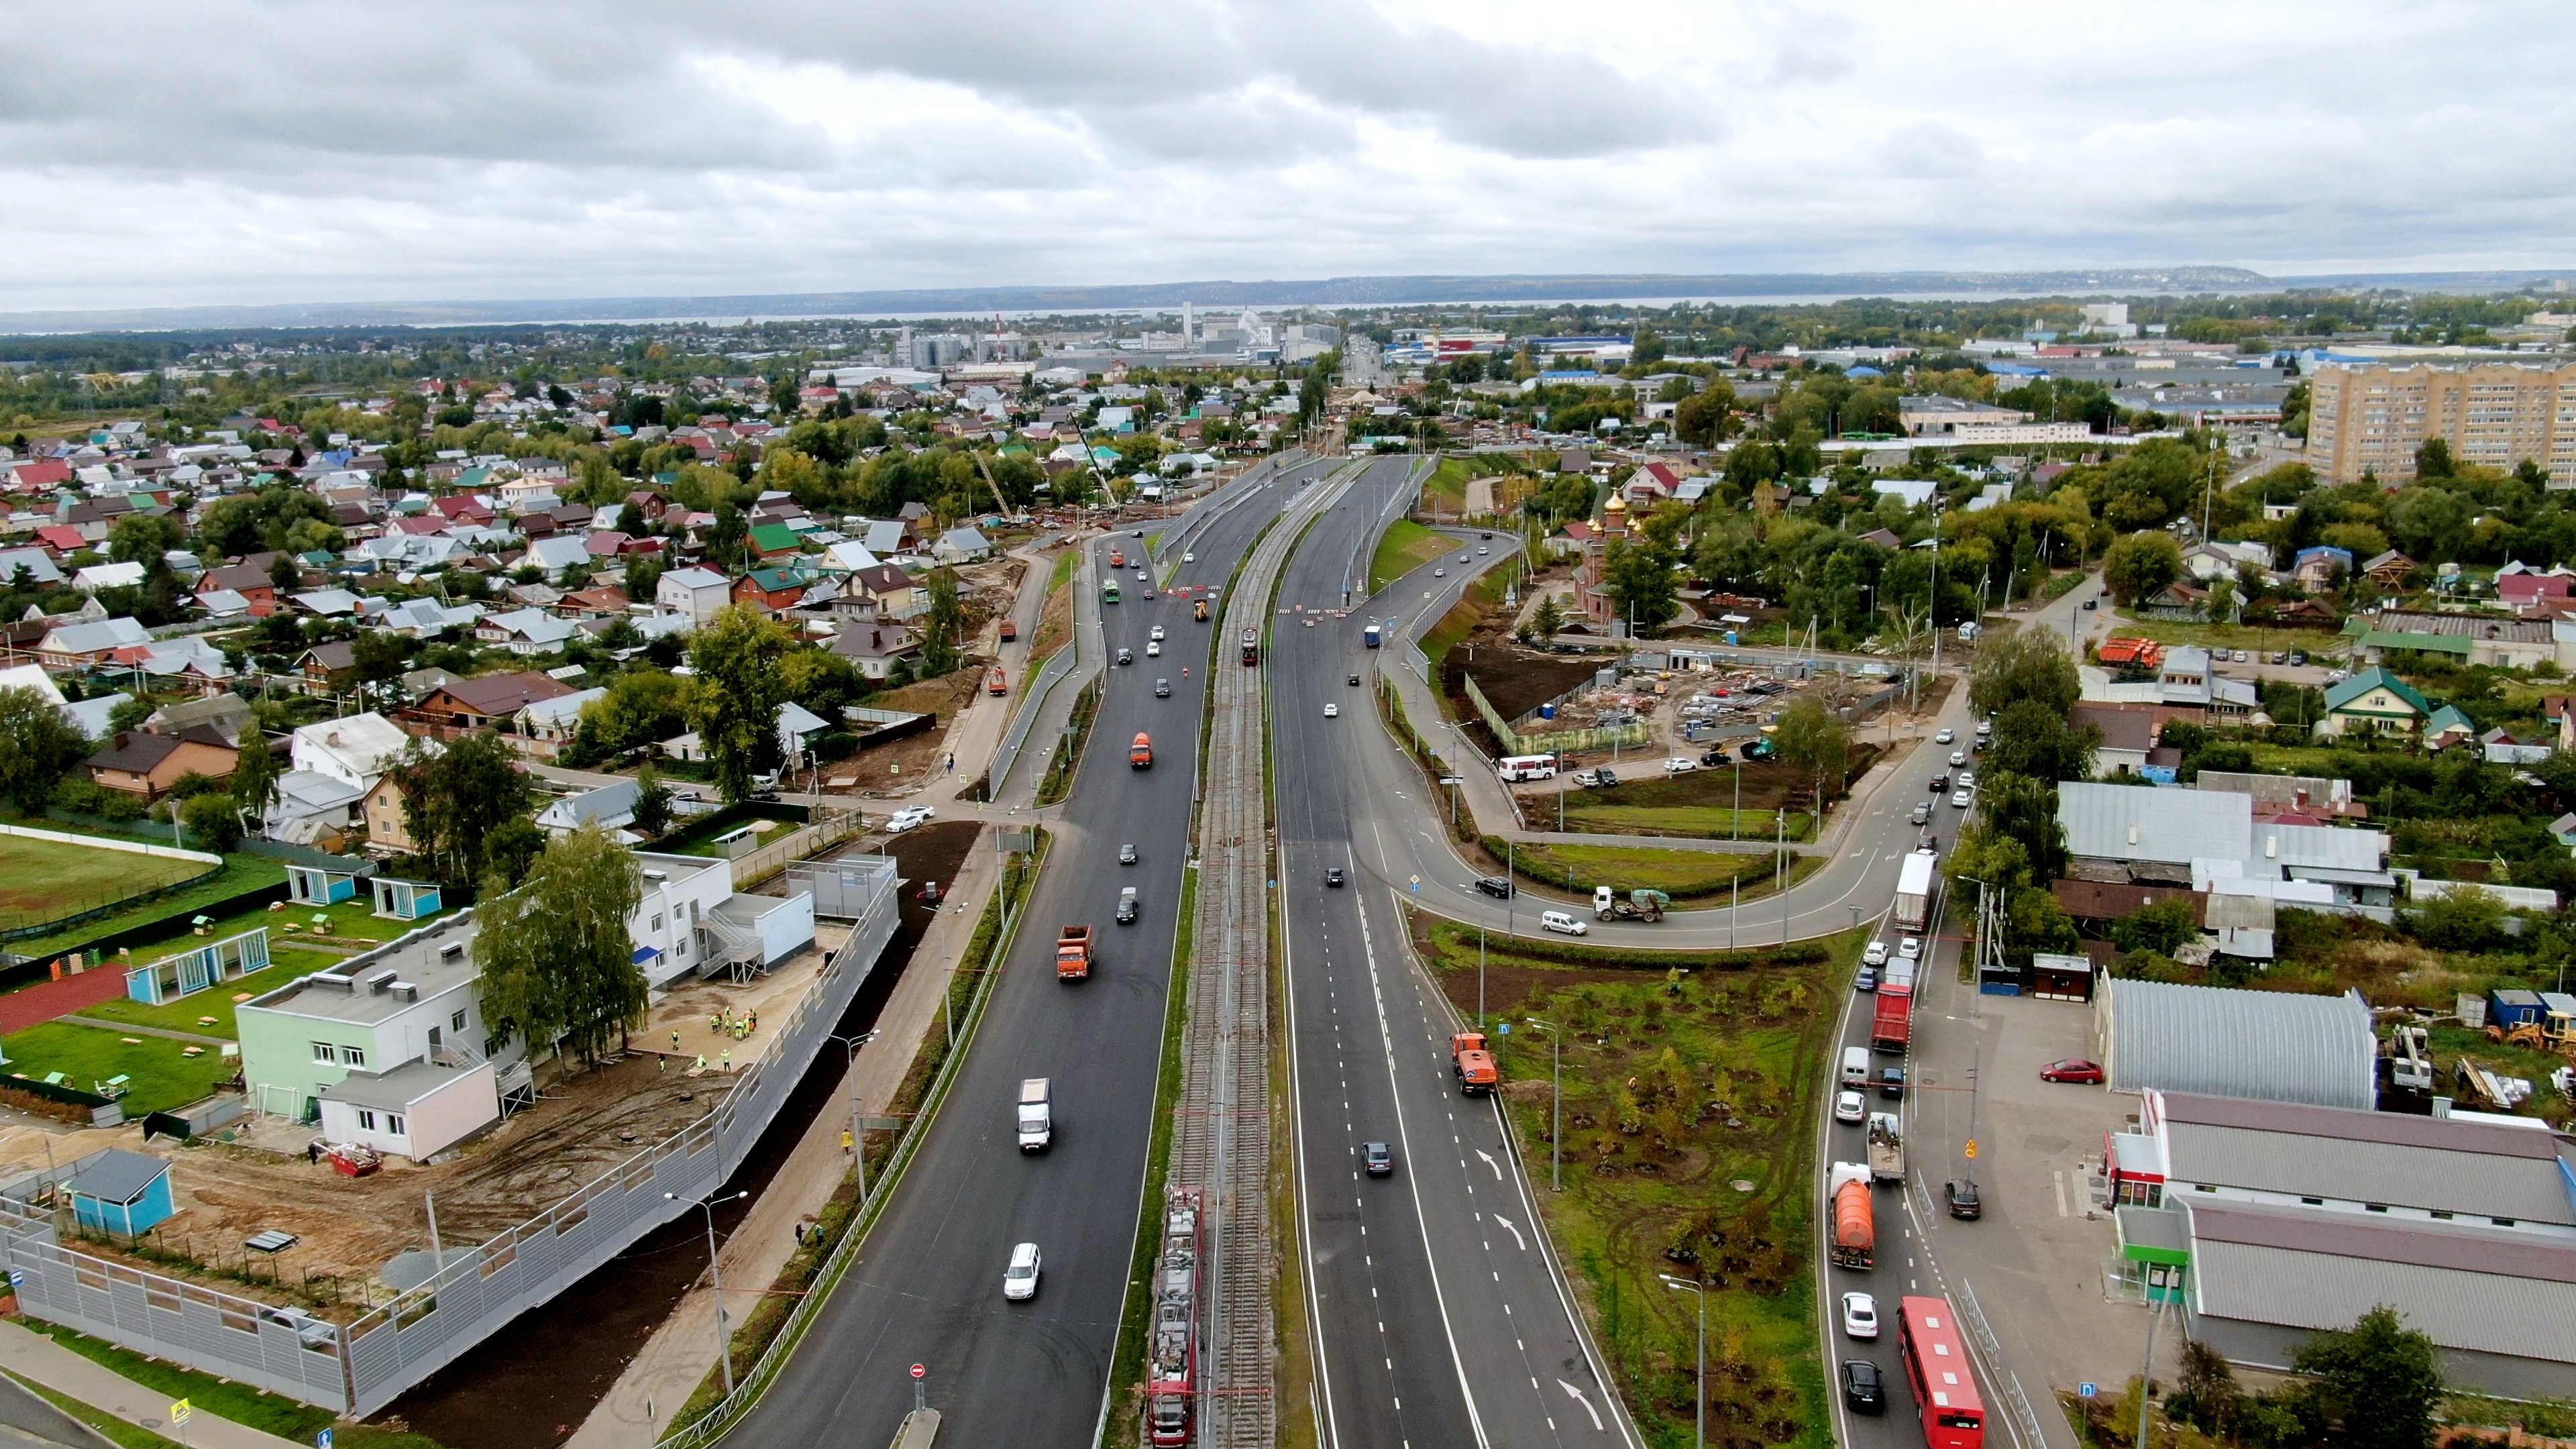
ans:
(1010, 630)
(996, 682)
(2410, 1066)
(1892, 1016)
(1199, 611)
(1140, 752)
(1886, 1149)
(1914, 883)
(1037, 1119)
(1474, 1064)
(2553, 1031)
(1640, 904)
(1855, 1217)
(1073, 953)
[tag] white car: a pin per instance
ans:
(1945, 737)
(1958, 758)
(1156, 636)
(1189, 558)
(1440, 573)
(1961, 797)
(1153, 648)
(1874, 954)
(906, 818)
(1020, 1279)
(1680, 764)
(1850, 1107)
(1332, 711)
(1967, 779)
(1561, 923)
(1860, 1315)
(1910, 949)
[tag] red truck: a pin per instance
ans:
(1073, 953)
(1855, 1218)
(1473, 1064)
(1140, 751)
(1892, 1024)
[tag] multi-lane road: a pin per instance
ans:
(926, 1287)
(1436, 1312)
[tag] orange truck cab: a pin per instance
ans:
(1073, 953)
(1117, 560)
(1473, 1064)
(1141, 753)
(997, 682)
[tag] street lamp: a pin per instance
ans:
(1556, 1102)
(724, 1341)
(858, 1140)
(1699, 1383)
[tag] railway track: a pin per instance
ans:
(1221, 1140)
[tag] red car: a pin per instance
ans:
(2073, 1069)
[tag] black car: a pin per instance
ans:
(1488, 533)
(1712, 759)
(1891, 1082)
(1378, 1158)
(1961, 1195)
(1355, 679)
(1862, 1389)
(1332, 875)
(1499, 887)
(1126, 910)
(1162, 689)
(1940, 784)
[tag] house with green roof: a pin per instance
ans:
(2374, 702)
(775, 541)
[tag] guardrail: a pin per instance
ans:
(1033, 697)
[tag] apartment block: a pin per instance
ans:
(2372, 418)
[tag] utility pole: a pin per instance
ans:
(1699, 1380)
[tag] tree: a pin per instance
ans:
(734, 696)
(2025, 810)
(2026, 664)
(1705, 417)
(457, 798)
(557, 965)
(2035, 741)
(2140, 565)
(1813, 743)
(210, 822)
(2378, 1381)
(1548, 617)
(2164, 928)
(144, 538)
(643, 576)
(255, 772)
(2433, 459)
(652, 802)
(1640, 576)
(2462, 919)
(941, 624)
(37, 747)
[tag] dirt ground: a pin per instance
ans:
(913, 758)
(530, 1384)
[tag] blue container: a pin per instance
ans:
(1547, 711)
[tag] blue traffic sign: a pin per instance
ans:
(321, 1439)
(2088, 1391)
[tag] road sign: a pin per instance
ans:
(2088, 1391)
(1503, 1028)
(882, 1124)
(1972, 1149)
(322, 1439)
(17, 1278)
(919, 1372)
(180, 1411)
(1417, 884)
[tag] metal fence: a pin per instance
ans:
(827, 830)
(1555, 741)
(357, 1368)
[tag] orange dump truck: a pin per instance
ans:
(1855, 1218)
(997, 682)
(1141, 753)
(1473, 1064)
(1073, 953)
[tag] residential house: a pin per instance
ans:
(330, 665)
(2522, 588)
(770, 590)
(560, 557)
(19, 566)
(2128, 736)
(108, 576)
(526, 631)
(2321, 567)
(549, 724)
(2502, 748)
(138, 763)
(695, 592)
(2209, 841)
(772, 542)
(225, 713)
(249, 580)
(480, 704)
(2374, 702)
(2177, 600)
(2448, 726)
(610, 807)
(90, 641)
(2213, 559)
(877, 648)
(961, 546)
(885, 592)
(2308, 798)
(2458, 638)
(2389, 570)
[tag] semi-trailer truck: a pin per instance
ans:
(1037, 1119)
(1474, 1065)
(1855, 1217)
(1914, 880)
(1073, 953)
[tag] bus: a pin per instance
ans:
(1109, 591)
(1936, 1367)
(1526, 767)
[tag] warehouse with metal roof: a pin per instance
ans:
(2273, 1046)
(2499, 1305)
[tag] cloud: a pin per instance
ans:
(327, 152)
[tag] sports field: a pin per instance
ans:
(46, 880)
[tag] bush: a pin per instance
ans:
(82, 797)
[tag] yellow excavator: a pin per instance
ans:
(2554, 1032)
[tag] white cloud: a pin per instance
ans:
(487, 149)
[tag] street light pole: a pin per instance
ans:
(724, 1340)
(1555, 1103)
(858, 1139)
(1699, 1380)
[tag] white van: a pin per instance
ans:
(1855, 1066)
(1561, 922)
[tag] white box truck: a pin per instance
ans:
(1914, 880)
(1037, 1119)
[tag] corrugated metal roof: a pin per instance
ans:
(2270, 1045)
(2332, 847)
(2399, 1175)
(2127, 822)
(2490, 1291)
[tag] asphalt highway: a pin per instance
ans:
(927, 1288)
(1437, 1312)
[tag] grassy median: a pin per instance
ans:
(1404, 547)
(1690, 1092)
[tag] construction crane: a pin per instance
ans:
(1000, 504)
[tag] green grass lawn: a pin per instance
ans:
(240, 873)
(1406, 546)
(286, 964)
(1707, 822)
(1065, 563)
(162, 1075)
(44, 880)
(1677, 1088)
(1684, 875)
(1446, 488)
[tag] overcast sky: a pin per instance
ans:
(171, 153)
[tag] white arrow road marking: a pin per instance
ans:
(1490, 1162)
(1516, 1232)
(1586, 1403)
